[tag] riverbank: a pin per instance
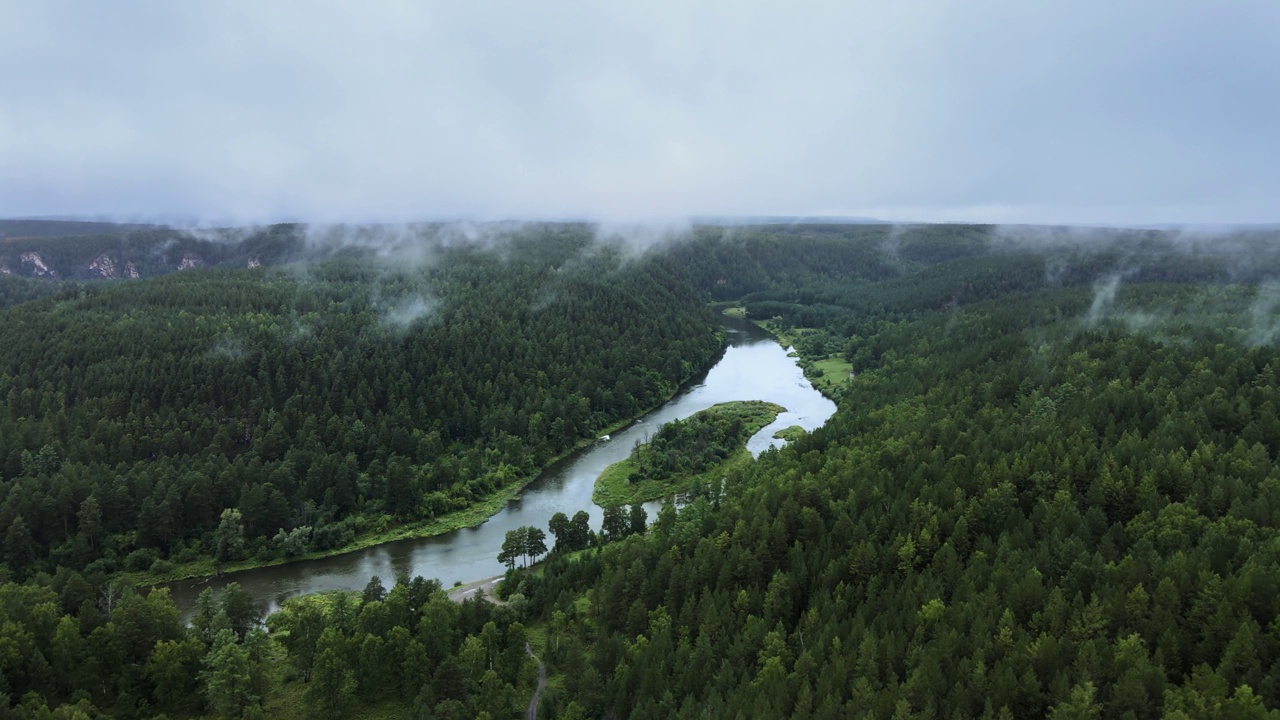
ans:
(476, 514)
(828, 373)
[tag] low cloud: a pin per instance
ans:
(1264, 320)
(639, 237)
(405, 313)
(228, 347)
(1104, 296)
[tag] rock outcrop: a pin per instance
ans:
(104, 267)
(35, 266)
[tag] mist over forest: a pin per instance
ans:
(440, 361)
(1049, 487)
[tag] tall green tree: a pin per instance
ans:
(559, 527)
(333, 682)
(174, 669)
(615, 524)
(229, 537)
(19, 546)
(513, 546)
(228, 682)
(638, 520)
(580, 530)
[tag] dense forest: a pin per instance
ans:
(272, 412)
(1050, 491)
(122, 654)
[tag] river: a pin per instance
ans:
(753, 367)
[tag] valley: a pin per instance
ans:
(1045, 485)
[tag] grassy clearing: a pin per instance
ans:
(828, 375)
(614, 486)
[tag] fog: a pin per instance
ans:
(237, 112)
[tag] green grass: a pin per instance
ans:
(790, 434)
(613, 488)
(828, 375)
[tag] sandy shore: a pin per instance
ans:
(463, 592)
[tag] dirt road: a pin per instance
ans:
(532, 712)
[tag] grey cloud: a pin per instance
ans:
(1003, 111)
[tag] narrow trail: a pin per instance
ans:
(532, 712)
(463, 592)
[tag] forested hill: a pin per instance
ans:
(82, 251)
(1051, 491)
(101, 251)
(321, 402)
(46, 228)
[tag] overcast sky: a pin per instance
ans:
(1087, 111)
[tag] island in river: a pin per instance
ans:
(683, 452)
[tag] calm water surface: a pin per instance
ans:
(753, 367)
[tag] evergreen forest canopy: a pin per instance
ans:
(1050, 491)
(320, 402)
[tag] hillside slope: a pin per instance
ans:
(1045, 500)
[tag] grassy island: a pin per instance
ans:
(705, 444)
(790, 434)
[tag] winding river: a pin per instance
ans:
(753, 367)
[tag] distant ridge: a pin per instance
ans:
(43, 228)
(785, 220)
